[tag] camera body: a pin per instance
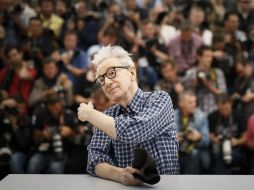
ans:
(120, 19)
(11, 110)
(151, 43)
(187, 146)
(201, 75)
(59, 89)
(16, 9)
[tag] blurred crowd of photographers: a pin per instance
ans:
(200, 52)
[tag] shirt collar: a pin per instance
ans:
(135, 105)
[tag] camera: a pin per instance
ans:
(120, 19)
(57, 143)
(16, 9)
(151, 43)
(35, 50)
(201, 75)
(59, 89)
(226, 147)
(187, 146)
(5, 155)
(5, 151)
(11, 110)
(226, 144)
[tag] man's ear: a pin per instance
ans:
(133, 73)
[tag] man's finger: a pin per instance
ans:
(130, 170)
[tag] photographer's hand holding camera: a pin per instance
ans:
(10, 106)
(192, 135)
(65, 57)
(203, 80)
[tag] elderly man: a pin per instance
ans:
(138, 119)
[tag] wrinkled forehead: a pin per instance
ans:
(107, 64)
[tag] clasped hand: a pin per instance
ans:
(85, 111)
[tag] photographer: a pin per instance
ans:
(13, 16)
(207, 81)
(170, 82)
(227, 134)
(149, 47)
(249, 44)
(15, 135)
(223, 60)
(54, 128)
(242, 84)
(51, 81)
(192, 135)
(184, 46)
(84, 87)
(24, 12)
(17, 75)
(115, 18)
(50, 20)
(38, 42)
(72, 60)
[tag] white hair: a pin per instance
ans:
(108, 52)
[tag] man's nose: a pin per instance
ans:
(108, 81)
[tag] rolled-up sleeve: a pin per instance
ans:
(156, 117)
(99, 151)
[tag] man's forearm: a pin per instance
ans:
(107, 171)
(213, 89)
(103, 122)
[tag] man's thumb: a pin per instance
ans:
(90, 103)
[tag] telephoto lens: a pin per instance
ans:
(227, 151)
(57, 143)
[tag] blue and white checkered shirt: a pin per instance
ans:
(147, 123)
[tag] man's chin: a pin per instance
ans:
(115, 98)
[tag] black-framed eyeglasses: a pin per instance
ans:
(245, 1)
(110, 74)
